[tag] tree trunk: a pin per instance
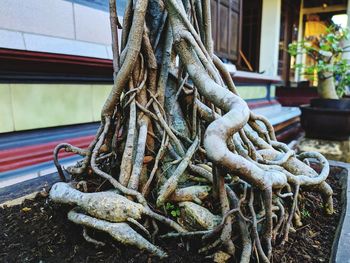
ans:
(175, 131)
(326, 88)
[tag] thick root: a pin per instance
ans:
(121, 232)
(105, 205)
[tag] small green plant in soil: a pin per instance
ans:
(173, 210)
(305, 213)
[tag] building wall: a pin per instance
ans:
(102, 4)
(270, 35)
(32, 106)
(56, 26)
(252, 92)
(74, 27)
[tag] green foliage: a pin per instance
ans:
(173, 210)
(342, 76)
(326, 51)
(305, 214)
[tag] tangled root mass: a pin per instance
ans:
(177, 146)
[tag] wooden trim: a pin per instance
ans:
(48, 63)
(239, 46)
(252, 77)
(21, 55)
(290, 133)
(328, 9)
(19, 64)
(261, 103)
(285, 124)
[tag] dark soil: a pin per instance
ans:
(313, 241)
(38, 231)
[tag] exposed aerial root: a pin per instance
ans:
(177, 146)
(122, 232)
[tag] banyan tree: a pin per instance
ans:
(178, 153)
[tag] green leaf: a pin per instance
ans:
(169, 206)
(173, 213)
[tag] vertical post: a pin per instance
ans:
(348, 13)
(270, 36)
(300, 57)
(346, 55)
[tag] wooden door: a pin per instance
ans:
(226, 28)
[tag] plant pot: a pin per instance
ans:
(294, 97)
(327, 119)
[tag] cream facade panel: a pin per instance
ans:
(11, 39)
(92, 25)
(48, 105)
(55, 26)
(64, 46)
(6, 114)
(99, 96)
(252, 92)
(32, 106)
(47, 17)
(110, 52)
(270, 36)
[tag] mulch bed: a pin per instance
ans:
(38, 231)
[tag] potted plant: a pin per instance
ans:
(327, 117)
